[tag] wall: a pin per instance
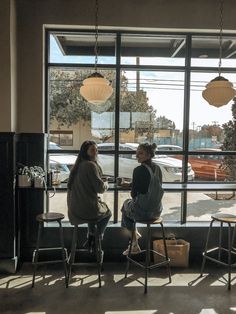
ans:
(8, 66)
(155, 14)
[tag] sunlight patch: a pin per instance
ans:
(81, 280)
(132, 312)
(208, 311)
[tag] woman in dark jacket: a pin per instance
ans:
(84, 184)
(146, 193)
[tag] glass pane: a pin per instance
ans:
(213, 167)
(201, 205)
(205, 51)
(153, 50)
(207, 123)
(171, 207)
(107, 164)
(73, 120)
(79, 48)
(58, 203)
(60, 164)
(152, 111)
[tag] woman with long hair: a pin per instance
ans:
(146, 193)
(84, 184)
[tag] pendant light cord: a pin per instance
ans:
(221, 31)
(96, 35)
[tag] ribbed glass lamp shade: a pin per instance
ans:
(219, 92)
(96, 89)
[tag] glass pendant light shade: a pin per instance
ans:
(218, 92)
(96, 89)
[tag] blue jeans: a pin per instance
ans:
(101, 224)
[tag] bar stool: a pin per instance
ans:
(98, 249)
(228, 219)
(50, 217)
(147, 265)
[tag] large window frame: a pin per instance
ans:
(118, 67)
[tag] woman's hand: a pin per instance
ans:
(104, 179)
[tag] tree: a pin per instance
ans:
(165, 123)
(229, 144)
(68, 107)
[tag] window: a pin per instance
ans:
(157, 98)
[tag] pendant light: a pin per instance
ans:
(96, 89)
(219, 91)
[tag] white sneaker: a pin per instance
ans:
(138, 235)
(135, 249)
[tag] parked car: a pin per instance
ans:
(60, 163)
(208, 167)
(171, 167)
(169, 147)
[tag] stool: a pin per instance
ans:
(98, 249)
(50, 217)
(147, 266)
(228, 219)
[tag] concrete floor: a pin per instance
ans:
(186, 294)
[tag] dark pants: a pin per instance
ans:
(101, 225)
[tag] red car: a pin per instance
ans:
(208, 167)
(205, 167)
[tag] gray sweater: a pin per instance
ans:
(82, 199)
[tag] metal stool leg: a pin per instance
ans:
(99, 257)
(129, 253)
(36, 253)
(64, 255)
(206, 247)
(229, 255)
(166, 252)
(147, 257)
(73, 251)
(220, 241)
(233, 238)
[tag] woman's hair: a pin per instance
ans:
(149, 148)
(83, 155)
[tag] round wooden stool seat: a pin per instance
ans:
(150, 222)
(224, 218)
(49, 217)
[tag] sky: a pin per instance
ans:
(165, 90)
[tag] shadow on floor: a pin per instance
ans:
(186, 294)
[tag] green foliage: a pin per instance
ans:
(229, 144)
(68, 107)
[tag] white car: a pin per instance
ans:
(169, 147)
(171, 167)
(60, 163)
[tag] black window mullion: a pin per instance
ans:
(117, 123)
